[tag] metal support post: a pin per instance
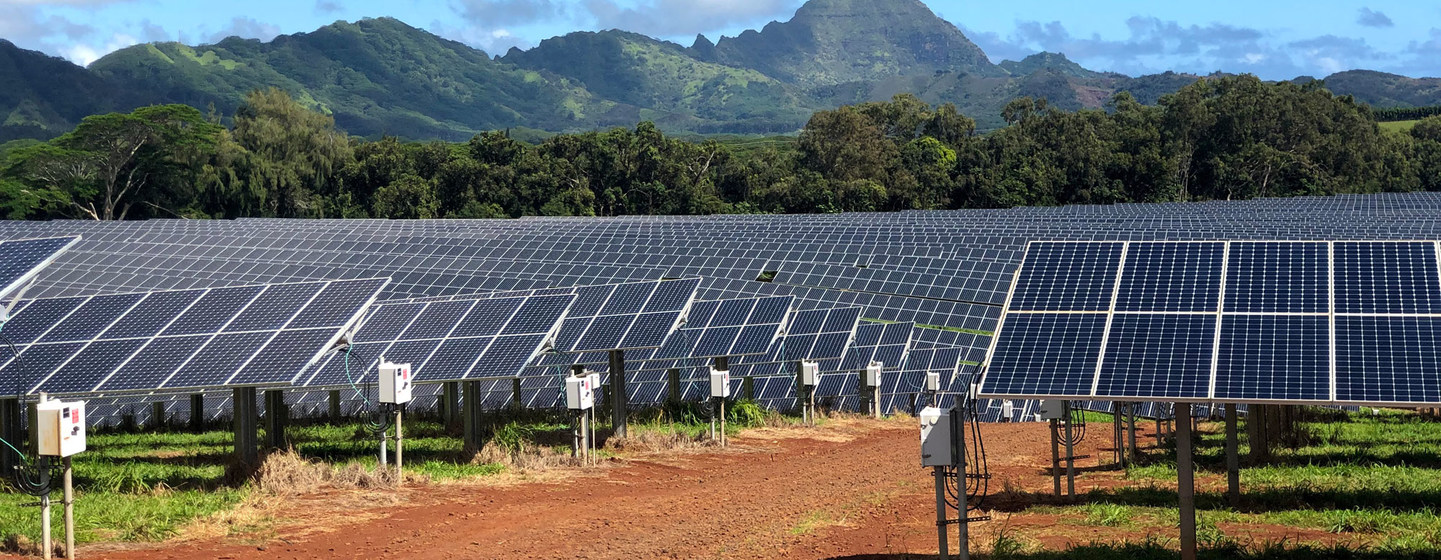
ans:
(1070, 452)
(333, 405)
(1056, 457)
(471, 417)
(940, 474)
(157, 415)
(1131, 429)
(673, 385)
(277, 416)
(399, 447)
(245, 425)
(47, 544)
(619, 399)
(517, 400)
(1186, 484)
(69, 497)
(450, 403)
(1233, 458)
(11, 431)
(1118, 448)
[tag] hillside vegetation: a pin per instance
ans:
(1224, 138)
(381, 77)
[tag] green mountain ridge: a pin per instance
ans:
(383, 77)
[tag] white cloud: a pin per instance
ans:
(684, 18)
(246, 28)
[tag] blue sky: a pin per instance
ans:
(1274, 39)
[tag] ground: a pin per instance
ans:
(850, 489)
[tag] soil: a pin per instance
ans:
(853, 488)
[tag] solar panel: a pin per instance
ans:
(1067, 277)
(625, 316)
(449, 340)
(1170, 277)
(22, 259)
(1387, 278)
(244, 336)
(1047, 354)
(736, 327)
(1282, 304)
(1277, 277)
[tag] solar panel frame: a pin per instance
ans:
(1318, 353)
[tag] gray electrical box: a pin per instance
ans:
(1053, 409)
(810, 374)
(936, 437)
(872, 376)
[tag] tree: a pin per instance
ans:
(111, 162)
(295, 155)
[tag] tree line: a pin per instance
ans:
(1223, 138)
(1407, 113)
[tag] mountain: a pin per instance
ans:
(45, 96)
(831, 42)
(381, 76)
(376, 76)
(644, 72)
(1380, 89)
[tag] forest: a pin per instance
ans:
(1219, 138)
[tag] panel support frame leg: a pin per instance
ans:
(1056, 457)
(277, 417)
(941, 517)
(1233, 459)
(471, 417)
(1186, 484)
(12, 431)
(247, 453)
(450, 403)
(620, 400)
(333, 403)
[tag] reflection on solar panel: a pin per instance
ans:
(244, 336)
(737, 327)
(625, 316)
(1281, 306)
(450, 340)
(813, 335)
(22, 259)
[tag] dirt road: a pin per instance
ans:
(852, 488)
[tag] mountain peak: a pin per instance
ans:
(1055, 62)
(831, 42)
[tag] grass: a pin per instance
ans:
(1373, 478)
(1398, 126)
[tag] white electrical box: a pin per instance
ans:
(873, 375)
(933, 381)
(810, 374)
(1053, 410)
(396, 383)
(61, 428)
(935, 437)
(720, 383)
(580, 392)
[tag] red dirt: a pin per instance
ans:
(851, 489)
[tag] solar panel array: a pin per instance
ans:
(22, 259)
(946, 271)
(187, 339)
(1326, 322)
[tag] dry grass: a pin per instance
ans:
(528, 458)
(652, 441)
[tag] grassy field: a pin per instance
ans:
(148, 486)
(1372, 482)
(1398, 126)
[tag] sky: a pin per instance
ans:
(1274, 39)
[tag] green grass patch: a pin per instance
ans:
(1399, 126)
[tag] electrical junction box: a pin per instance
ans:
(396, 383)
(1053, 409)
(60, 428)
(933, 381)
(935, 437)
(594, 381)
(579, 393)
(872, 376)
(810, 374)
(720, 383)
